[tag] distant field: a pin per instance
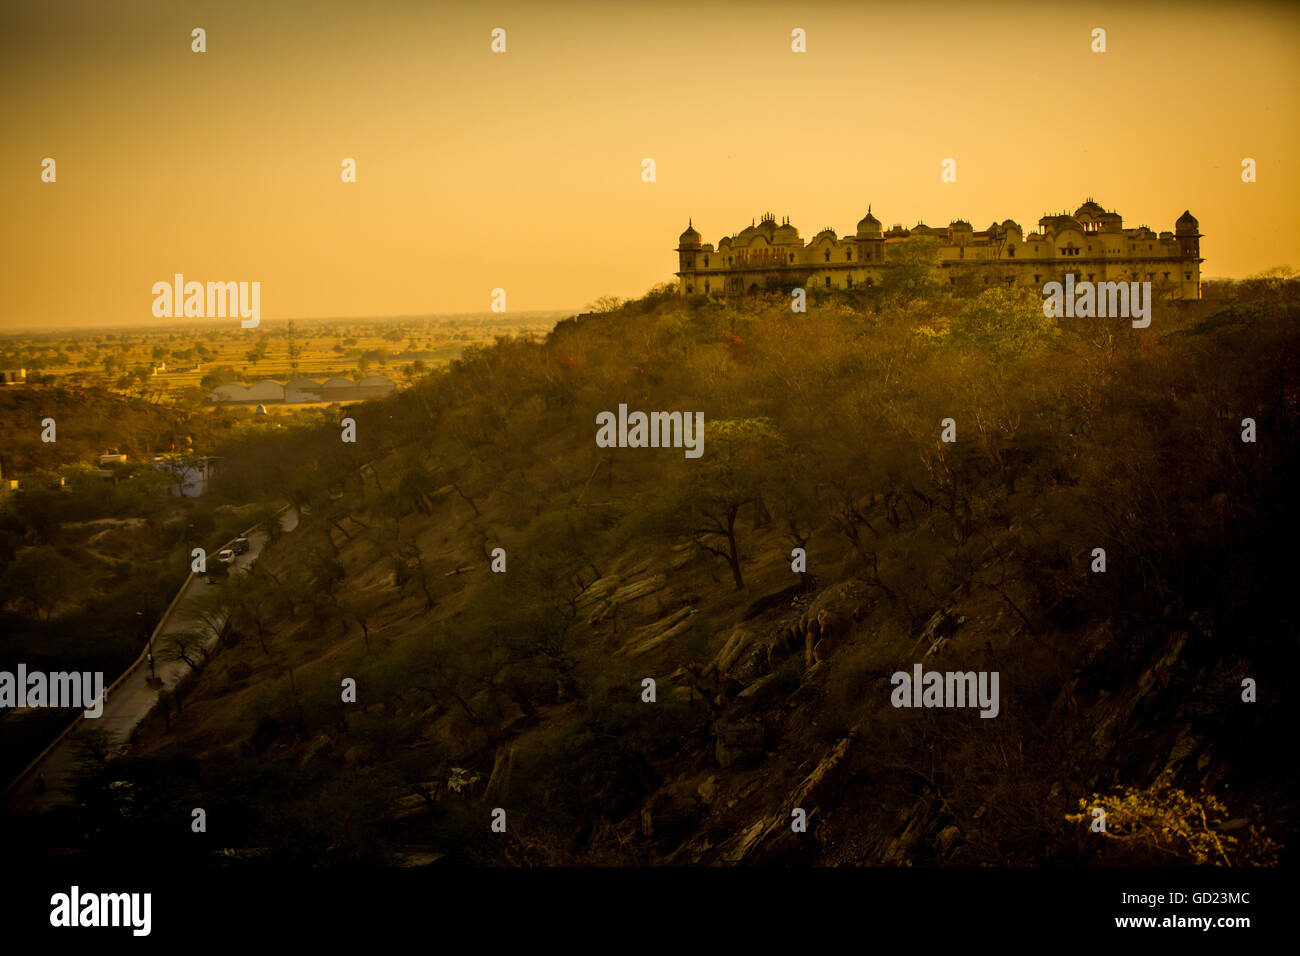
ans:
(203, 354)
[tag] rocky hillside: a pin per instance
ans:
(526, 688)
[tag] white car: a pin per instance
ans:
(226, 556)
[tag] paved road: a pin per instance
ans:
(131, 701)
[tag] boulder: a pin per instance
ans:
(740, 639)
(828, 621)
(829, 630)
(947, 839)
(660, 632)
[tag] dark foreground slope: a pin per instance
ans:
(524, 690)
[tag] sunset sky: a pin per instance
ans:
(522, 170)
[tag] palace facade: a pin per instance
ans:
(1091, 243)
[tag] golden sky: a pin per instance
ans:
(522, 170)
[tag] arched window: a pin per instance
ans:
(828, 281)
(706, 285)
(706, 262)
(828, 259)
(848, 255)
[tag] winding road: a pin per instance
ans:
(129, 702)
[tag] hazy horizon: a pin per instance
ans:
(180, 323)
(522, 170)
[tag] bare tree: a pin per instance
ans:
(189, 647)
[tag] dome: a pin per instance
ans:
(1187, 223)
(960, 224)
(690, 237)
(1062, 223)
(869, 225)
(1010, 224)
(1089, 209)
(786, 233)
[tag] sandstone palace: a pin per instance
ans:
(1092, 244)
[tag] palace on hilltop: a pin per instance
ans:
(1092, 244)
